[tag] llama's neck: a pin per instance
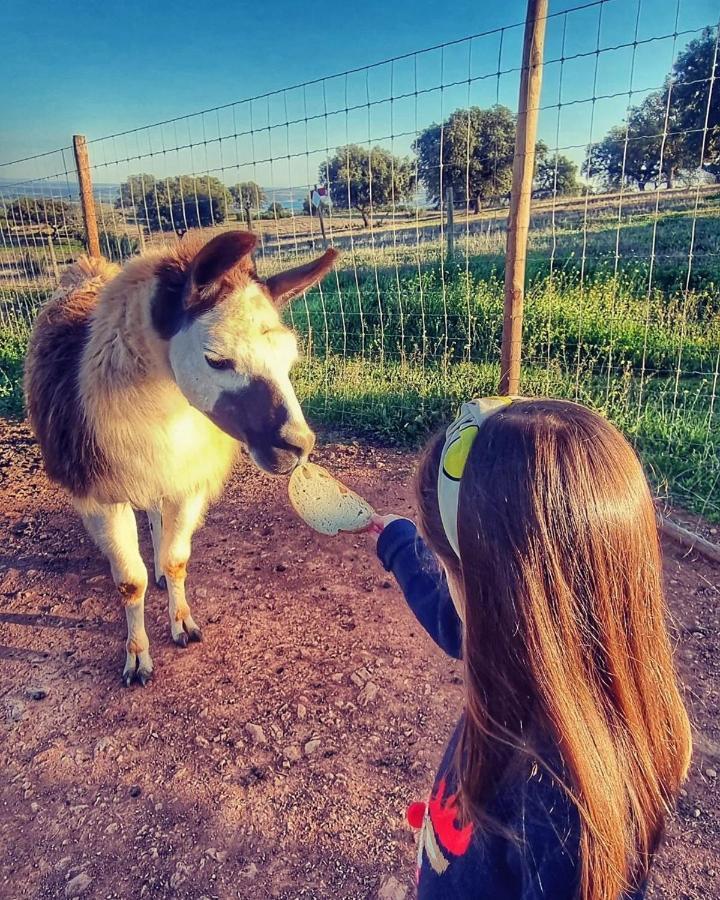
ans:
(124, 351)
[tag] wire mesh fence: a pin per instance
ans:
(406, 167)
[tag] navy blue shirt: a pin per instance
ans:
(539, 860)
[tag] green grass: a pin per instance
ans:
(12, 354)
(457, 314)
(652, 247)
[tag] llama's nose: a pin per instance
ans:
(302, 441)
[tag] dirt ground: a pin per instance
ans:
(168, 791)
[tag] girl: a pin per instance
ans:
(574, 740)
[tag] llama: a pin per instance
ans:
(142, 383)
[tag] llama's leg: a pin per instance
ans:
(155, 521)
(114, 530)
(179, 522)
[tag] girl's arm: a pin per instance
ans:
(402, 551)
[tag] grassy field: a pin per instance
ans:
(618, 315)
(649, 363)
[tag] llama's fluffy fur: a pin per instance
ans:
(108, 357)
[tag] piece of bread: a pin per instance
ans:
(325, 503)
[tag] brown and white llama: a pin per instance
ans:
(140, 384)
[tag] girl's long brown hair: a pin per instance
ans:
(565, 632)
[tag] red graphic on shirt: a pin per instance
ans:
(444, 817)
(438, 818)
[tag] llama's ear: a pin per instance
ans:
(216, 259)
(286, 285)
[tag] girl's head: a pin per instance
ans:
(559, 584)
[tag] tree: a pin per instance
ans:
(276, 210)
(665, 136)
(118, 247)
(247, 193)
(133, 190)
(57, 214)
(52, 216)
(366, 179)
(692, 101)
(615, 161)
(555, 175)
(178, 202)
(648, 149)
(472, 152)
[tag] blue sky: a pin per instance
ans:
(104, 68)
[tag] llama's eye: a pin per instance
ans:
(221, 364)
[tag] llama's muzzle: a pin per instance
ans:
(259, 416)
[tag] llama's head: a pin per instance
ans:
(229, 351)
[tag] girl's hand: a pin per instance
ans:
(378, 524)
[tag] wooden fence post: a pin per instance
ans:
(87, 200)
(450, 230)
(53, 258)
(521, 195)
(322, 224)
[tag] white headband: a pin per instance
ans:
(459, 439)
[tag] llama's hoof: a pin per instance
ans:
(161, 582)
(138, 667)
(185, 630)
(188, 633)
(142, 676)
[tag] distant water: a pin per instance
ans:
(57, 188)
(67, 189)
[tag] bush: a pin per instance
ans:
(275, 211)
(118, 247)
(32, 265)
(181, 201)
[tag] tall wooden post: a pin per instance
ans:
(53, 258)
(315, 202)
(87, 199)
(322, 224)
(450, 230)
(521, 195)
